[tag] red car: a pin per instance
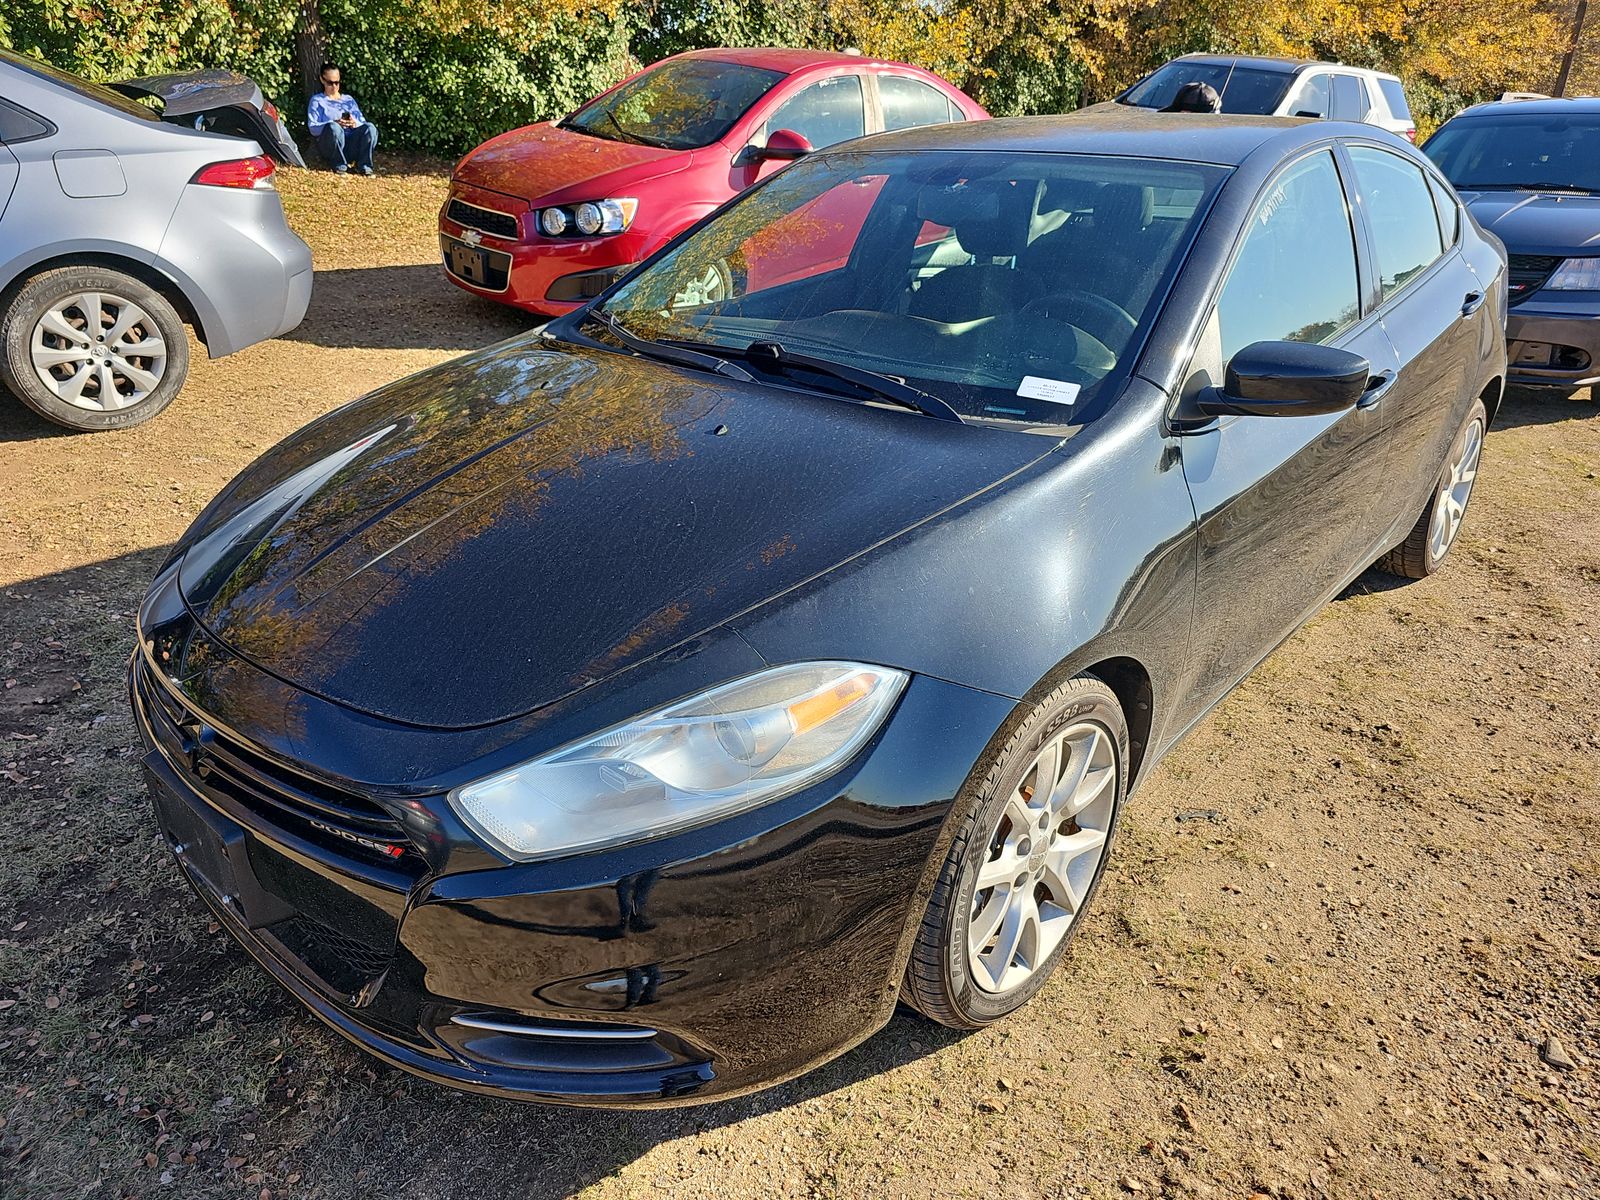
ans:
(545, 217)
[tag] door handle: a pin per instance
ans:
(1472, 303)
(1377, 387)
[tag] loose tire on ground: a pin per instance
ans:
(952, 980)
(110, 368)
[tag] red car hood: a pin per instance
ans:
(536, 161)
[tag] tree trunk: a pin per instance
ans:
(310, 47)
(1572, 48)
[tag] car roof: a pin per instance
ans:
(1121, 130)
(785, 59)
(1554, 106)
(1286, 65)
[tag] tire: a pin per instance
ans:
(1430, 539)
(946, 980)
(63, 362)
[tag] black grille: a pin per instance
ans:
(342, 820)
(1528, 272)
(497, 224)
(345, 963)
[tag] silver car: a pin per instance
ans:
(117, 228)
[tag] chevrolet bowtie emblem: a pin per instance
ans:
(472, 237)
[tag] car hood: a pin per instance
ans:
(484, 538)
(1538, 222)
(537, 162)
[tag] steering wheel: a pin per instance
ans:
(1073, 305)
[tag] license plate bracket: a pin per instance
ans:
(469, 263)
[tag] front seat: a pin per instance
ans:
(1108, 254)
(990, 221)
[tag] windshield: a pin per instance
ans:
(680, 105)
(1010, 287)
(91, 91)
(1243, 89)
(1514, 150)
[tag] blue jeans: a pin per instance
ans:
(340, 145)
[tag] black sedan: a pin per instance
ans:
(1529, 171)
(635, 712)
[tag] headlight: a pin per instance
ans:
(553, 221)
(721, 752)
(1576, 275)
(592, 218)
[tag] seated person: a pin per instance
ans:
(343, 135)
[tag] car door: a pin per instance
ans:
(1285, 506)
(1433, 309)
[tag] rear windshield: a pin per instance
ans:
(679, 105)
(1396, 96)
(1520, 150)
(81, 87)
(1243, 89)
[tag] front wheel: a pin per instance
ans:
(1025, 861)
(1435, 532)
(92, 348)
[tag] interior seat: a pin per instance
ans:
(990, 220)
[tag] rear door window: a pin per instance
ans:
(908, 103)
(1350, 101)
(1295, 277)
(828, 111)
(20, 125)
(1400, 211)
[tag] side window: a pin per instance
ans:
(824, 113)
(1395, 96)
(908, 103)
(1350, 102)
(20, 125)
(1449, 213)
(1295, 277)
(1400, 209)
(1315, 98)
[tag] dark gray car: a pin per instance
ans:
(117, 228)
(1530, 172)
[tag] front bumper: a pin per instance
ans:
(1553, 340)
(703, 965)
(546, 276)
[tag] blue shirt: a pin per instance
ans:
(324, 111)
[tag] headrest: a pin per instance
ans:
(1125, 204)
(989, 217)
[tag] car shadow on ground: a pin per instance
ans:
(402, 308)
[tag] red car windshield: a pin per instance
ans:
(677, 105)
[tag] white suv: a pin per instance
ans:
(1281, 87)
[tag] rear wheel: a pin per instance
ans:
(92, 348)
(1026, 860)
(1435, 532)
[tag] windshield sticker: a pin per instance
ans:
(1051, 391)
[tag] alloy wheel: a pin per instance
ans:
(1042, 857)
(1454, 491)
(98, 351)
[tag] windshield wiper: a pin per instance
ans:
(1571, 189)
(667, 351)
(770, 356)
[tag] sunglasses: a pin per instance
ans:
(331, 82)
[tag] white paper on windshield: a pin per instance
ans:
(1051, 391)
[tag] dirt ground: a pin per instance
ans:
(1346, 917)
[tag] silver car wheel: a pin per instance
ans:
(1454, 491)
(98, 351)
(1043, 856)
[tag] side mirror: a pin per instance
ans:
(783, 144)
(1289, 379)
